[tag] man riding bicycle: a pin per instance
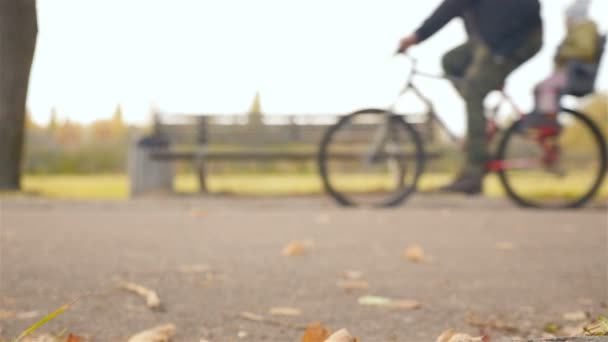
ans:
(502, 35)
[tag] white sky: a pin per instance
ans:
(211, 56)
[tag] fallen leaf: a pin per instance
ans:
(74, 338)
(316, 333)
(27, 315)
(551, 328)
(352, 275)
(7, 314)
(152, 300)
(162, 333)
(201, 268)
(597, 328)
(414, 254)
(505, 246)
(405, 304)
(294, 248)
(374, 300)
(575, 316)
(341, 336)
(284, 311)
(547, 336)
(451, 335)
(251, 316)
(40, 338)
(349, 285)
(495, 324)
(573, 330)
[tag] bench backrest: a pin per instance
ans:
(189, 130)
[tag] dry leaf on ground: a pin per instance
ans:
(294, 248)
(341, 336)
(152, 300)
(575, 316)
(74, 338)
(505, 246)
(285, 311)
(405, 304)
(28, 315)
(40, 338)
(316, 333)
(374, 301)
(414, 254)
(573, 330)
(162, 333)
(352, 275)
(7, 314)
(451, 335)
(349, 285)
(495, 324)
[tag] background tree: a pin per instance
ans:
(52, 126)
(18, 32)
(255, 112)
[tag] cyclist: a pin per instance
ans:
(502, 35)
(579, 45)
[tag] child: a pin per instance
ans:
(580, 44)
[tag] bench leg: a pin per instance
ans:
(202, 177)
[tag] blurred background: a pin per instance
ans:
(101, 73)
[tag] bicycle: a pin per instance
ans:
(531, 163)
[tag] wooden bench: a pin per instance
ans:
(205, 139)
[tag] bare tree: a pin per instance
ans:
(18, 32)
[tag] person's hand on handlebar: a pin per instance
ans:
(406, 43)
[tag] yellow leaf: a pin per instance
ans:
(315, 333)
(414, 254)
(294, 248)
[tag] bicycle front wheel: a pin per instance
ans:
(370, 158)
(560, 166)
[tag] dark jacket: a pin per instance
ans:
(502, 24)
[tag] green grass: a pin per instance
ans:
(116, 186)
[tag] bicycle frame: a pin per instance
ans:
(382, 135)
(431, 114)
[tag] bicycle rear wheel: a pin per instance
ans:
(563, 168)
(370, 158)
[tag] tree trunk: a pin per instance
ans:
(18, 31)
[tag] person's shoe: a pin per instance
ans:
(467, 183)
